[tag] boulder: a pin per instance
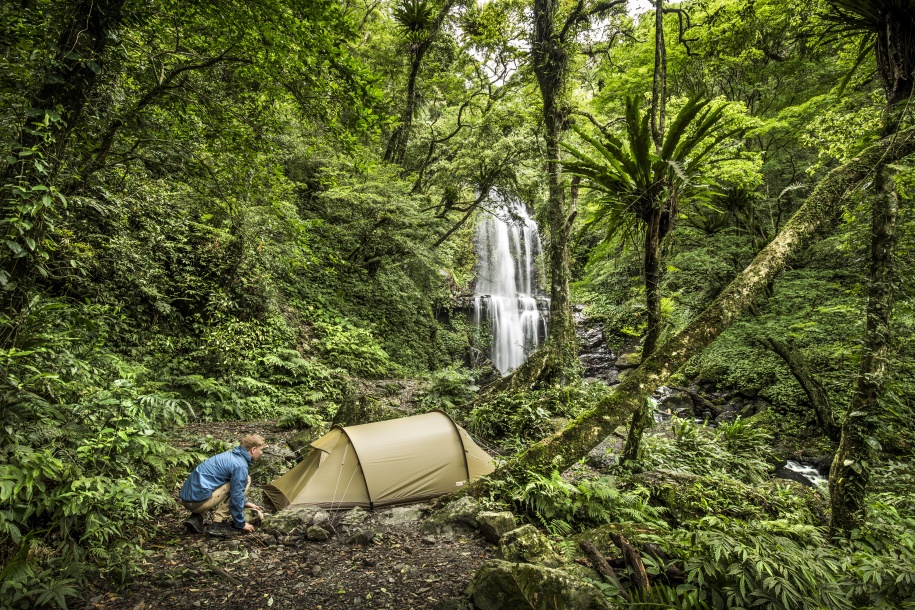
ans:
(498, 585)
(629, 360)
(316, 532)
(527, 545)
(495, 525)
(458, 517)
(675, 401)
(356, 516)
(361, 538)
(400, 515)
(293, 520)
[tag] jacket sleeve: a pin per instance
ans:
(237, 496)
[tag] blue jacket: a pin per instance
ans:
(227, 467)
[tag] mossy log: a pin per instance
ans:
(562, 449)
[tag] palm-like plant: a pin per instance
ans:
(414, 17)
(887, 28)
(638, 186)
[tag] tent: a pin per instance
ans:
(397, 461)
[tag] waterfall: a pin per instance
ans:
(507, 293)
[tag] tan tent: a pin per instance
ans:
(397, 461)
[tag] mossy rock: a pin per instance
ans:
(499, 585)
(526, 544)
(458, 517)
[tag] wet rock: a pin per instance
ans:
(726, 417)
(676, 401)
(527, 545)
(316, 532)
(293, 520)
(458, 517)
(494, 525)
(629, 360)
(486, 371)
(361, 538)
(612, 377)
(496, 587)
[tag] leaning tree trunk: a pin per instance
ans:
(824, 203)
(815, 391)
(849, 473)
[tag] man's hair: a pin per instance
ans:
(253, 440)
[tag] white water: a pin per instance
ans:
(808, 472)
(507, 291)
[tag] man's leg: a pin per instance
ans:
(221, 513)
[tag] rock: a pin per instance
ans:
(486, 372)
(613, 377)
(629, 360)
(675, 400)
(363, 409)
(400, 515)
(458, 517)
(253, 516)
(498, 585)
(495, 525)
(527, 545)
(727, 417)
(356, 516)
(316, 571)
(362, 537)
(316, 532)
(293, 520)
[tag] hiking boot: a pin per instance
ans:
(222, 530)
(194, 524)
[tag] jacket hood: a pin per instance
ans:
(241, 451)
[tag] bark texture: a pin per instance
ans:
(850, 469)
(824, 203)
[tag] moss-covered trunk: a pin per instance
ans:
(848, 475)
(823, 204)
(815, 391)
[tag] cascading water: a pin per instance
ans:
(507, 294)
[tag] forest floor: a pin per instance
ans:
(401, 568)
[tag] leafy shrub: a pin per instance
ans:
(449, 388)
(562, 506)
(353, 349)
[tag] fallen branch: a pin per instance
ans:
(636, 567)
(214, 567)
(603, 568)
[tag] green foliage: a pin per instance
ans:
(738, 449)
(563, 507)
(449, 389)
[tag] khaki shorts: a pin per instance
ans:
(217, 502)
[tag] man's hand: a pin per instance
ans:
(248, 527)
(253, 505)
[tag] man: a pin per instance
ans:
(219, 484)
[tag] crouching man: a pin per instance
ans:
(219, 484)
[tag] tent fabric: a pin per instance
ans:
(397, 461)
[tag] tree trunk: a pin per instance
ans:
(551, 68)
(397, 146)
(815, 391)
(641, 418)
(659, 81)
(849, 473)
(824, 203)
